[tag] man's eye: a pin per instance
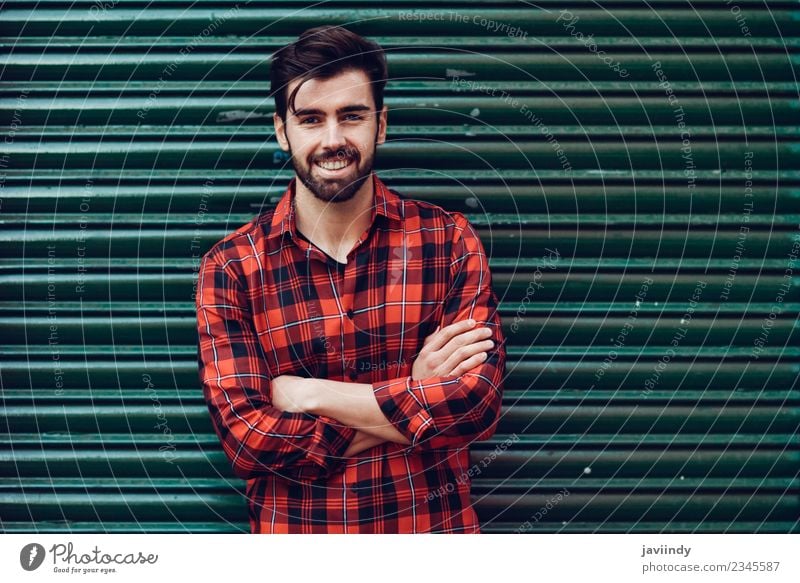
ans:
(308, 120)
(354, 117)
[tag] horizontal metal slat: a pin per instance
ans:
(150, 527)
(493, 527)
(563, 284)
(502, 265)
(613, 527)
(454, 148)
(193, 107)
(77, 442)
(605, 310)
(462, 20)
(77, 136)
(776, 369)
(226, 220)
(637, 507)
(600, 508)
(512, 397)
(222, 485)
(572, 61)
(427, 90)
(615, 242)
(556, 326)
(769, 4)
(610, 176)
(577, 505)
(555, 457)
(125, 507)
(549, 418)
(180, 353)
(402, 43)
(151, 199)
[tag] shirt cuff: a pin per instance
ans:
(330, 442)
(402, 401)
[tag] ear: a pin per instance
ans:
(382, 122)
(280, 129)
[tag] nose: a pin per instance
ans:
(333, 138)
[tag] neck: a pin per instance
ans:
(334, 227)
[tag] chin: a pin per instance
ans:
(331, 190)
(335, 197)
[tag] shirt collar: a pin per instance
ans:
(387, 203)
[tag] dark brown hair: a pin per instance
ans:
(321, 53)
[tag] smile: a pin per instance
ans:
(334, 165)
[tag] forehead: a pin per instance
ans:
(347, 88)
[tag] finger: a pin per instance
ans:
(469, 364)
(449, 332)
(466, 352)
(473, 336)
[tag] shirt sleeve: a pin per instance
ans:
(446, 411)
(257, 438)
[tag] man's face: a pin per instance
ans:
(332, 134)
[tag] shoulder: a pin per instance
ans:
(429, 216)
(239, 243)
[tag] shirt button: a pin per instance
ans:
(350, 314)
(353, 375)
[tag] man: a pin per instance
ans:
(350, 346)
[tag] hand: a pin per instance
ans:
(289, 393)
(453, 350)
(362, 441)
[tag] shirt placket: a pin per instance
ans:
(344, 277)
(350, 274)
(347, 287)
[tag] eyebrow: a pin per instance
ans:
(345, 109)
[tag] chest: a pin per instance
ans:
(362, 321)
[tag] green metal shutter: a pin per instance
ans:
(652, 361)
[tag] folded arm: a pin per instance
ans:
(454, 410)
(438, 411)
(258, 438)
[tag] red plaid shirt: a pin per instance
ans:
(270, 303)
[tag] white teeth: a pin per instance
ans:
(334, 165)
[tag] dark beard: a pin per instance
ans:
(332, 190)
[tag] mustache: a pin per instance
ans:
(340, 154)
